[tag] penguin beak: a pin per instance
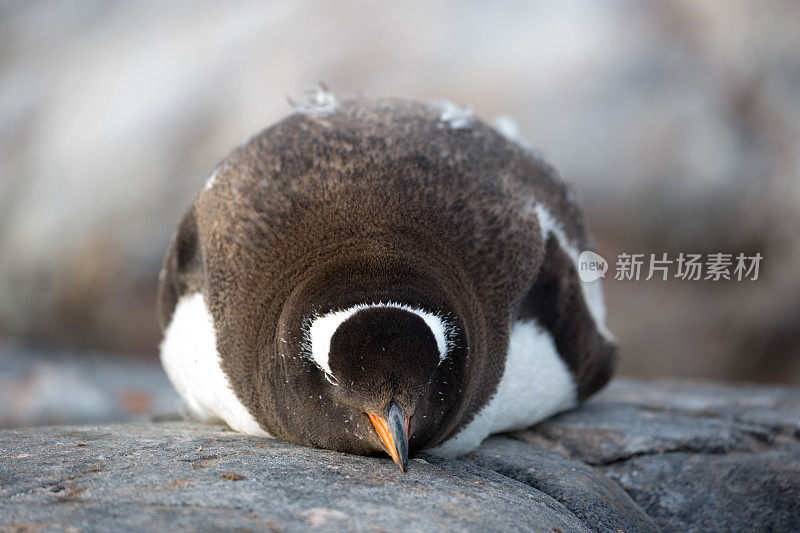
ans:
(393, 431)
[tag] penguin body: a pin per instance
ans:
(373, 274)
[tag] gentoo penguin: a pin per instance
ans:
(376, 275)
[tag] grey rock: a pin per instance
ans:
(641, 456)
(692, 455)
(594, 498)
(632, 418)
(774, 408)
(180, 475)
(725, 492)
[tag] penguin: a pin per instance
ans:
(375, 275)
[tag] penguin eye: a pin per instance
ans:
(331, 379)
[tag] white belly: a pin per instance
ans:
(190, 358)
(536, 383)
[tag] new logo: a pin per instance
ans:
(591, 266)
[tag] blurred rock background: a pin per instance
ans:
(677, 122)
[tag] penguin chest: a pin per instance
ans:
(536, 384)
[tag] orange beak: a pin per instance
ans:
(393, 431)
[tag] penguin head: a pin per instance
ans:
(381, 361)
(366, 354)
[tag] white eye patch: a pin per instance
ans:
(322, 328)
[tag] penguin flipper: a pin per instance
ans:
(182, 270)
(558, 303)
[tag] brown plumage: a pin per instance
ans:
(380, 200)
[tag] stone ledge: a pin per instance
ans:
(641, 456)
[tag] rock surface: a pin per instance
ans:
(642, 456)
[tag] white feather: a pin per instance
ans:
(210, 181)
(457, 118)
(592, 291)
(509, 129)
(317, 101)
(322, 328)
(536, 383)
(190, 358)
